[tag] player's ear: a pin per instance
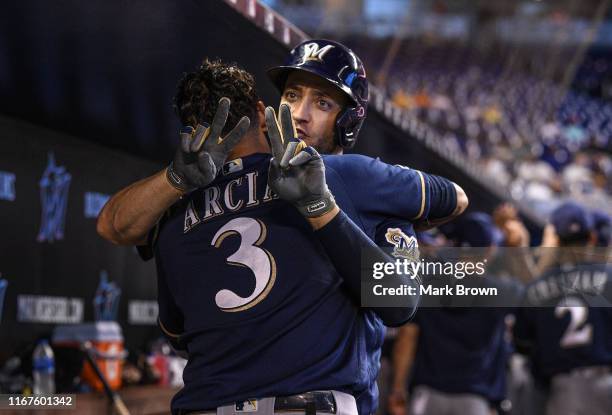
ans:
(261, 108)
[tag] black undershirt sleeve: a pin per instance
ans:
(344, 241)
(442, 196)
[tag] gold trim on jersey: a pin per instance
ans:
(422, 196)
(165, 330)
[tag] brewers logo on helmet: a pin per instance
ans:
(342, 68)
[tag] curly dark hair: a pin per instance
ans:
(198, 94)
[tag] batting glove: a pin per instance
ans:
(297, 172)
(203, 151)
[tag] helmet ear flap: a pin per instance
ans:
(350, 121)
(360, 89)
(348, 125)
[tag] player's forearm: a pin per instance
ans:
(403, 355)
(344, 244)
(132, 212)
(461, 204)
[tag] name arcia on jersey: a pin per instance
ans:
(219, 199)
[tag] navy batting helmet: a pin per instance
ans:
(342, 68)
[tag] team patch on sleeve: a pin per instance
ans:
(404, 246)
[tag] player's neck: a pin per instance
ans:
(337, 151)
(253, 142)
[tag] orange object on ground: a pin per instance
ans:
(107, 344)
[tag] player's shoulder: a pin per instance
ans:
(360, 163)
(347, 160)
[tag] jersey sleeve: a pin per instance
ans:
(393, 190)
(147, 251)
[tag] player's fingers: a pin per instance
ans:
(305, 153)
(311, 150)
(289, 153)
(286, 123)
(199, 137)
(237, 133)
(220, 118)
(302, 157)
(301, 145)
(186, 133)
(274, 163)
(206, 163)
(274, 172)
(276, 141)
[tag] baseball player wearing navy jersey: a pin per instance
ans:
(325, 85)
(187, 230)
(288, 330)
(566, 324)
(458, 356)
(366, 189)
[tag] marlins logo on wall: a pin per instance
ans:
(54, 186)
(7, 186)
(106, 300)
(404, 246)
(313, 53)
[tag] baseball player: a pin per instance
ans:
(566, 324)
(325, 85)
(455, 358)
(367, 191)
(244, 284)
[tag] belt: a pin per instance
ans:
(310, 403)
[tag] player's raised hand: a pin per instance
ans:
(202, 151)
(297, 172)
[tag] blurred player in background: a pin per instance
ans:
(568, 333)
(454, 358)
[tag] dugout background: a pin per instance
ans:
(92, 82)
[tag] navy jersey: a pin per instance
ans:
(570, 324)
(462, 350)
(384, 200)
(398, 235)
(220, 237)
(370, 191)
(239, 286)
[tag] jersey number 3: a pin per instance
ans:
(252, 233)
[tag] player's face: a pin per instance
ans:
(314, 104)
